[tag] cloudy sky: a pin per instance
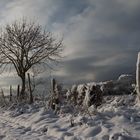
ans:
(101, 37)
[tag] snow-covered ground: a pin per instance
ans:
(117, 119)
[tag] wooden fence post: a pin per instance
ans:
(18, 92)
(30, 90)
(10, 93)
(53, 85)
(3, 97)
(138, 76)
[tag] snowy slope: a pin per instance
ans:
(117, 119)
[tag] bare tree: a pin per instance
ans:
(25, 44)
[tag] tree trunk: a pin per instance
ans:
(22, 93)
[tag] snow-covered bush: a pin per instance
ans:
(57, 97)
(74, 94)
(107, 87)
(84, 95)
(93, 96)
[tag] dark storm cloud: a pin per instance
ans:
(124, 14)
(114, 30)
(77, 70)
(101, 37)
(66, 9)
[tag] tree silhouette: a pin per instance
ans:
(25, 44)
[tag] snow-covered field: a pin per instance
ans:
(117, 119)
